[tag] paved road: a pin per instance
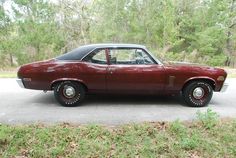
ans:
(20, 106)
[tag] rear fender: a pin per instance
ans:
(66, 79)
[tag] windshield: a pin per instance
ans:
(155, 57)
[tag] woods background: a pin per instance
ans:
(199, 31)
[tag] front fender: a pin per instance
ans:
(201, 78)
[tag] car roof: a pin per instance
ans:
(80, 52)
(119, 45)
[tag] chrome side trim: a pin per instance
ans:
(20, 83)
(225, 87)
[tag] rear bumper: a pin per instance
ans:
(225, 87)
(20, 83)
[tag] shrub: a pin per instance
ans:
(217, 60)
(208, 119)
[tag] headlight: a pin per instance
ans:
(221, 78)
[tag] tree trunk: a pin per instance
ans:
(11, 59)
(37, 53)
(229, 45)
(229, 50)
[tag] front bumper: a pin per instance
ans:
(20, 83)
(225, 87)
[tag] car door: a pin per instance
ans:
(132, 70)
(94, 70)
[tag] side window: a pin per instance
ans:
(129, 57)
(97, 57)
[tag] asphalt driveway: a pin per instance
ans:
(22, 106)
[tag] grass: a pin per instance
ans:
(8, 74)
(206, 137)
(231, 76)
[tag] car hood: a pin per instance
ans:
(176, 63)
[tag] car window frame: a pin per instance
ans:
(96, 49)
(145, 51)
(156, 61)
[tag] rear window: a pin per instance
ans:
(76, 54)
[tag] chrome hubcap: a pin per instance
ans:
(69, 91)
(198, 93)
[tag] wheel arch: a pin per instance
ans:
(209, 80)
(53, 83)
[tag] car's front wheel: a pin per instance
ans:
(69, 93)
(197, 93)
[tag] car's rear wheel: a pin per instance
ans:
(69, 93)
(197, 93)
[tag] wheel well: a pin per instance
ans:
(55, 83)
(212, 83)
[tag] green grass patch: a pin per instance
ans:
(10, 74)
(206, 137)
(231, 76)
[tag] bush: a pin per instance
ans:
(208, 119)
(217, 60)
(195, 57)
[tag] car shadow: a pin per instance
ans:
(43, 98)
(113, 100)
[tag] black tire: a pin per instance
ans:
(197, 93)
(69, 94)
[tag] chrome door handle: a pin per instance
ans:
(111, 70)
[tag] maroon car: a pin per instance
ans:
(120, 69)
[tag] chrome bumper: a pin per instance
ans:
(20, 83)
(224, 88)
